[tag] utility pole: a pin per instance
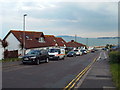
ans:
(75, 38)
(24, 33)
(86, 41)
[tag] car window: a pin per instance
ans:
(76, 50)
(70, 52)
(54, 50)
(34, 52)
(44, 52)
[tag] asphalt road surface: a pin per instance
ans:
(55, 74)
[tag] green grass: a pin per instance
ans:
(10, 60)
(115, 70)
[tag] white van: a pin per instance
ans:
(56, 53)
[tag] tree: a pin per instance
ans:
(107, 46)
(4, 44)
(21, 46)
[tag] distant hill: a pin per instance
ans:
(65, 36)
(108, 38)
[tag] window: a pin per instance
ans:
(62, 42)
(54, 40)
(41, 39)
(27, 37)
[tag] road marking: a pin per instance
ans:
(105, 55)
(99, 56)
(78, 77)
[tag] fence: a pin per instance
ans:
(11, 54)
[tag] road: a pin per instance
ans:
(55, 74)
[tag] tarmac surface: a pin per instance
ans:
(55, 74)
(58, 74)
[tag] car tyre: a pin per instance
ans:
(58, 58)
(24, 63)
(47, 60)
(37, 62)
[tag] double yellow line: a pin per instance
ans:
(77, 78)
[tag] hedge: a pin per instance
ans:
(114, 56)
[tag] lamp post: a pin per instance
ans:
(24, 33)
(86, 42)
(75, 38)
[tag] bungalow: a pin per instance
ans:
(75, 45)
(55, 41)
(31, 40)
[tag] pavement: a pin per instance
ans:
(99, 76)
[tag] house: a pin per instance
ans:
(75, 45)
(31, 40)
(55, 41)
(1, 50)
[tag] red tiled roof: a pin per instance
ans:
(60, 41)
(52, 40)
(30, 39)
(74, 44)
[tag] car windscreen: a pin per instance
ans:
(70, 52)
(53, 50)
(33, 52)
(76, 50)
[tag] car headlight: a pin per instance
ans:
(33, 57)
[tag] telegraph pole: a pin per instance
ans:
(24, 33)
(75, 38)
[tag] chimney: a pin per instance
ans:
(72, 40)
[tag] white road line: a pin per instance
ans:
(99, 56)
(105, 55)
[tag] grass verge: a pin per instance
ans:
(10, 60)
(115, 70)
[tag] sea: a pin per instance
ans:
(93, 41)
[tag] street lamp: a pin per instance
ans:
(24, 33)
(86, 42)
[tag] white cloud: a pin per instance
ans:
(61, 18)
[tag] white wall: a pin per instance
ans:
(13, 43)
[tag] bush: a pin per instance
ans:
(114, 56)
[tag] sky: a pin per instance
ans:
(89, 19)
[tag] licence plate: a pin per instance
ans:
(26, 59)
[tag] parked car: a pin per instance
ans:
(84, 51)
(92, 50)
(78, 52)
(35, 56)
(56, 53)
(71, 54)
(104, 48)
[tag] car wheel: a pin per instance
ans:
(24, 63)
(47, 60)
(63, 58)
(37, 62)
(58, 58)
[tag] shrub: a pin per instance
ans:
(114, 56)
